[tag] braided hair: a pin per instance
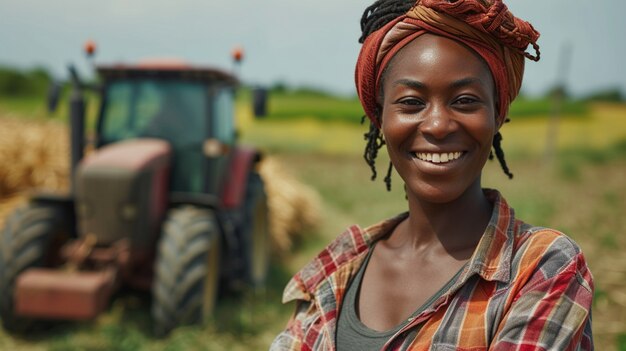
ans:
(380, 13)
(375, 17)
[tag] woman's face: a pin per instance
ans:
(438, 117)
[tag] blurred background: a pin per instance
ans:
(566, 143)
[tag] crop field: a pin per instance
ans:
(579, 189)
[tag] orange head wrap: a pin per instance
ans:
(486, 26)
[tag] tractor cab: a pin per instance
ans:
(191, 108)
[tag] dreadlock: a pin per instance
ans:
(380, 13)
(375, 17)
(497, 139)
(374, 141)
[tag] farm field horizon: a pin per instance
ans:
(580, 190)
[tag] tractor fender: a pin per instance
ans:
(242, 162)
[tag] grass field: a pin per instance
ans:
(580, 190)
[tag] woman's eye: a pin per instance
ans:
(464, 100)
(411, 102)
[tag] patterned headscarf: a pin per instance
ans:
(486, 26)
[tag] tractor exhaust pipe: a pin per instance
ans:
(77, 122)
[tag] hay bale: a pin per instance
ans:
(294, 207)
(33, 155)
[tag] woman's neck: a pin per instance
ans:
(456, 226)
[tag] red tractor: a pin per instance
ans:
(166, 202)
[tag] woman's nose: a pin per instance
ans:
(437, 122)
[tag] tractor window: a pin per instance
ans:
(223, 121)
(172, 110)
(166, 109)
(118, 107)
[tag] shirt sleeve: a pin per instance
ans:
(291, 337)
(551, 311)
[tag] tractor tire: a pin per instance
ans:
(254, 234)
(26, 242)
(187, 269)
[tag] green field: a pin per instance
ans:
(580, 190)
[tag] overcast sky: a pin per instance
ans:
(300, 42)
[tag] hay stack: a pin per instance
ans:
(294, 207)
(32, 155)
(35, 155)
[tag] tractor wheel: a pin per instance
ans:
(26, 241)
(187, 269)
(255, 232)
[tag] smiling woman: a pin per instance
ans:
(447, 106)
(457, 271)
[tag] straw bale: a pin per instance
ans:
(33, 154)
(294, 207)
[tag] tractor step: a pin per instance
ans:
(57, 294)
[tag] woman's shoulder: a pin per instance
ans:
(540, 241)
(546, 253)
(339, 252)
(527, 251)
(344, 250)
(528, 236)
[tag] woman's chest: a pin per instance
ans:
(393, 291)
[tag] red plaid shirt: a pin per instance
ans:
(524, 288)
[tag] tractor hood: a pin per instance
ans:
(121, 191)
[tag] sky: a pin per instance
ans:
(298, 42)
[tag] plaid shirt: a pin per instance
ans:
(524, 288)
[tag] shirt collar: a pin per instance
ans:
(493, 254)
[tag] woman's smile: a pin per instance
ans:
(437, 157)
(437, 162)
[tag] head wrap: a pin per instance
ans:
(486, 26)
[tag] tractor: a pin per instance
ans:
(164, 201)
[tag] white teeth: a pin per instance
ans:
(438, 158)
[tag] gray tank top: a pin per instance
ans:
(352, 334)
